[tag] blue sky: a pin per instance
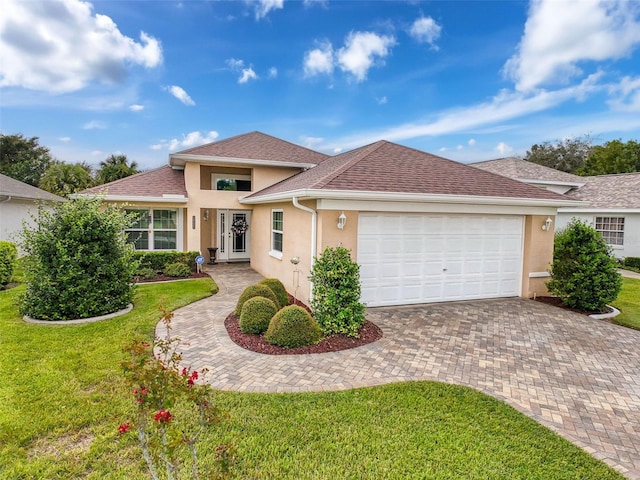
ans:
(466, 80)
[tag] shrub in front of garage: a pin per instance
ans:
(584, 271)
(336, 292)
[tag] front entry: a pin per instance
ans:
(233, 235)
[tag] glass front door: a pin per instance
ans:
(233, 234)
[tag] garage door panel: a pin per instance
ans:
(415, 258)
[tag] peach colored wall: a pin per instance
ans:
(296, 243)
(330, 236)
(538, 255)
(202, 199)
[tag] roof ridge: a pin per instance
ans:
(366, 150)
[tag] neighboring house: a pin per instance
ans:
(422, 228)
(18, 202)
(611, 202)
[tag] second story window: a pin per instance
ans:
(232, 183)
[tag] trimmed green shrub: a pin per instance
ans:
(278, 289)
(256, 315)
(584, 272)
(257, 290)
(79, 263)
(8, 257)
(633, 262)
(179, 270)
(158, 260)
(293, 327)
(336, 292)
(146, 273)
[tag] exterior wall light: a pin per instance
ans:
(342, 220)
(546, 226)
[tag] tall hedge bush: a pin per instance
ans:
(8, 257)
(584, 272)
(336, 292)
(79, 262)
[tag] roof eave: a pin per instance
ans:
(131, 198)
(550, 182)
(406, 197)
(180, 159)
(599, 210)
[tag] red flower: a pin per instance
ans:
(192, 378)
(163, 416)
(184, 371)
(124, 428)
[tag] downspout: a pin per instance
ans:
(6, 199)
(314, 236)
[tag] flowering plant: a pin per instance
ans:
(172, 410)
(239, 226)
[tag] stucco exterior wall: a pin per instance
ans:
(12, 213)
(296, 242)
(631, 247)
(537, 256)
(329, 235)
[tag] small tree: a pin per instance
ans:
(114, 168)
(336, 292)
(79, 263)
(584, 272)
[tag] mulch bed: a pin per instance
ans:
(369, 333)
(557, 302)
(167, 278)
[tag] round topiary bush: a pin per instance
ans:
(178, 270)
(251, 291)
(293, 327)
(278, 289)
(256, 315)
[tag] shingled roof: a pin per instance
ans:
(151, 183)
(391, 168)
(10, 187)
(520, 169)
(610, 191)
(252, 146)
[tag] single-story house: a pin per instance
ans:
(422, 228)
(611, 202)
(18, 202)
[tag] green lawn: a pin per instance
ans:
(628, 303)
(62, 397)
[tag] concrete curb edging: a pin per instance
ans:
(606, 316)
(79, 321)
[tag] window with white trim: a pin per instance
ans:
(154, 229)
(277, 232)
(612, 229)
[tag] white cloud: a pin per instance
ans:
(313, 3)
(97, 153)
(192, 139)
(319, 60)
(426, 30)
(65, 139)
(560, 35)
(362, 50)
(382, 100)
(311, 142)
(503, 149)
(272, 73)
(263, 7)
(472, 142)
(63, 46)
(459, 147)
(235, 64)
(247, 74)
(94, 125)
(626, 95)
(136, 107)
(181, 95)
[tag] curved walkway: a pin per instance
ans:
(578, 376)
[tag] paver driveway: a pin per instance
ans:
(578, 376)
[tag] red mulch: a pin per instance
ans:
(557, 302)
(369, 333)
(166, 278)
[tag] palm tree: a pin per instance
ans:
(114, 168)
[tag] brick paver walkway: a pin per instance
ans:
(578, 376)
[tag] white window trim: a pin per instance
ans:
(151, 230)
(273, 252)
(615, 246)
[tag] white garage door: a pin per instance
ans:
(421, 258)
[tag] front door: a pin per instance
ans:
(233, 234)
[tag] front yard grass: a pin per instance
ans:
(62, 396)
(628, 302)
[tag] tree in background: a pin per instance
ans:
(612, 157)
(114, 168)
(567, 155)
(23, 158)
(65, 178)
